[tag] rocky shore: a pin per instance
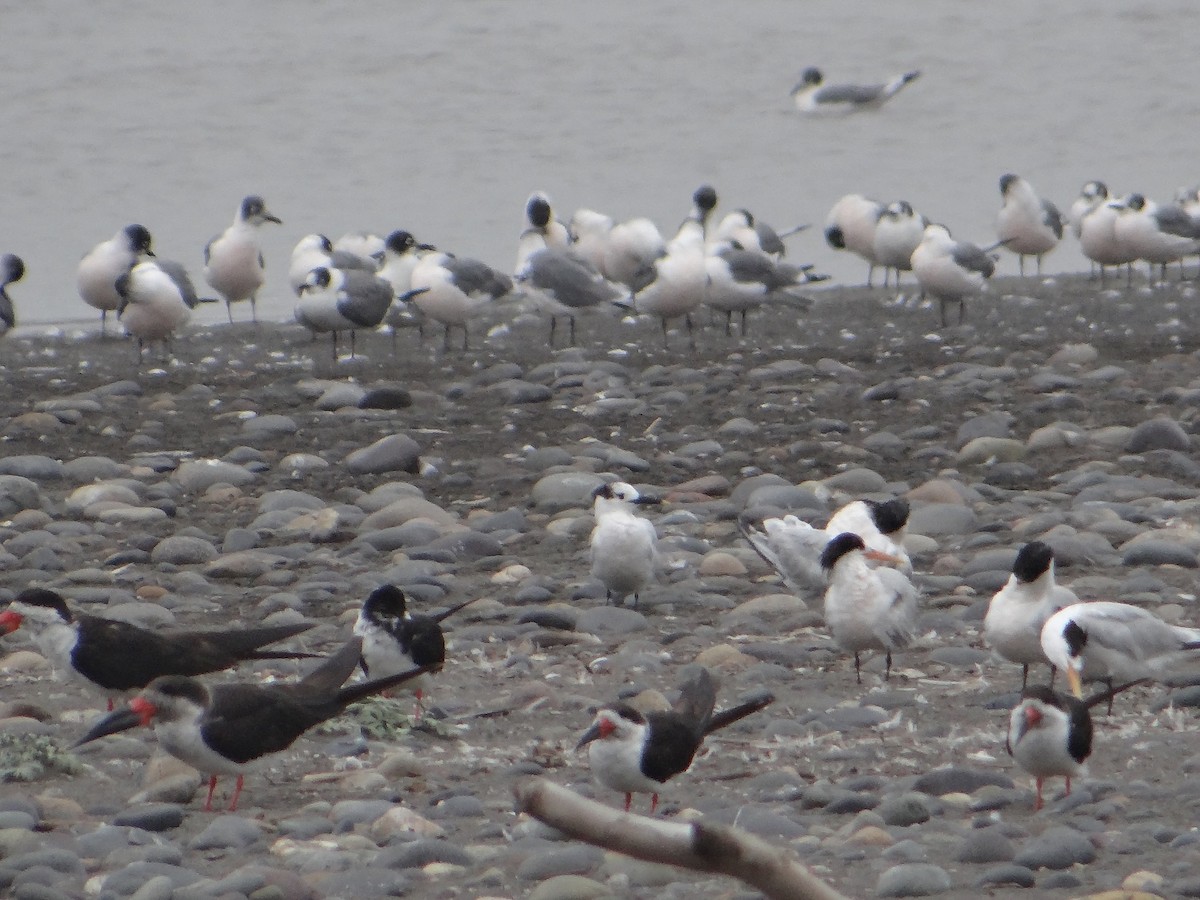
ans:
(254, 479)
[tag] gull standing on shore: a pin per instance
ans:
(336, 300)
(950, 270)
(1027, 225)
(105, 263)
(233, 262)
(851, 225)
(12, 269)
(157, 299)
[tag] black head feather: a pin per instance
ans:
(1033, 561)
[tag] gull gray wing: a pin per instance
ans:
(971, 257)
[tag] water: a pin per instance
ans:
(442, 117)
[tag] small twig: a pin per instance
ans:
(698, 846)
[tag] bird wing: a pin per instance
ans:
(671, 745)
(1052, 218)
(364, 298)
(792, 548)
(697, 697)
(1173, 220)
(901, 607)
(423, 641)
(246, 721)
(971, 257)
(849, 93)
(1130, 630)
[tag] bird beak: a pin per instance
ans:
(881, 557)
(267, 217)
(120, 720)
(9, 621)
(1075, 682)
(643, 500)
(588, 736)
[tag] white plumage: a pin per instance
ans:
(624, 546)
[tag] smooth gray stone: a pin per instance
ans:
(1058, 847)
(59, 860)
(905, 810)
(1159, 553)
(960, 657)
(24, 887)
(913, 880)
(124, 882)
(939, 519)
(338, 396)
(89, 469)
(270, 425)
(228, 831)
(181, 550)
(576, 859)
(420, 853)
(1158, 434)
(366, 882)
(32, 466)
(199, 475)
(985, 845)
(354, 812)
(158, 888)
(394, 453)
(151, 816)
(273, 501)
(958, 780)
(992, 424)
(610, 620)
(238, 539)
(763, 821)
(857, 481)
(562, 490)
(514, 391)
(385, 396)
(18, 493)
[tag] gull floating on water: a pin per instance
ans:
(813, 96)
(12, 269)
(1017, 612)
(950, 270)
(624, 546)
(105, 263)
(233, 262)
(1027, 225)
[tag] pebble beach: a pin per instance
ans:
(250, 477)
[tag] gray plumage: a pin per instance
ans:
(1053, 218)
(969, 256)
(473, 276)
(178, 274)
(567, 279)
(12, 269)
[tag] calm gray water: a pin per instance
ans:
(442, 117)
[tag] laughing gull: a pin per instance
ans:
(740, 280)
(336, 300)
(624, 546)
(401, 253)
(897, 234)
(741, 227)
(1098, 238)
(678, 281)
(1017, 612)
(1027, 225)
(1157, 233)
(950, 270)
(632, 249)
(454, 290)
(105, 263)
(813, 96)
(233, 262)
(157, 299)
(590, 231)
(12, 269)
(634, 752)
(563, 284)
(851, 225)
(365, 246)
(542, 229)
(866, 608)
(1091, 196)
(314, 251)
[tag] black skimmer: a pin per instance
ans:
(233, 262)
(105, 263)
(394, 640)
(1050, 734)
(1017, 612)
(624, 546)
(1108, 641)
(12, 269)
(950, 270)
(1027, 225)
(114, 656)
(793, 548)
(866, 608)
(632, 752)
(226, 728)
(812, 96)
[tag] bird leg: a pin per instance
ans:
(466, 336)
(353, 333)
(571, 319)
(728, 322)
(1068, 786)
(212, 786)
(1025, 675)
(666, 346)
(628, 801)
(446, 338)
(1038, 803)
(857, 670)
(870, 274)
(744, 311)
(254, 308)
(887, 672)
(1021, 264)
(237, 792)
(333, 335)
(687, 317)
(103, 322)
(553, 326)
(419, 706)
(653, 803)
(608, 598)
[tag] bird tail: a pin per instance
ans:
(332, 673)
(441, 617)
(795, 229)
(1109, 693)
(244, 643)
(352, 693)
(733, 714)
(901, 80)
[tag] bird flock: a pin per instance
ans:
(563, 270)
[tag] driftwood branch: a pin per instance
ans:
(695, 845)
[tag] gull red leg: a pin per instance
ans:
(212, 786)
(628, 801)
(237, 792)
(1068, 785)
(653, 803)
(111, 705)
